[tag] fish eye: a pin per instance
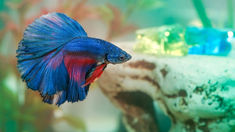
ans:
(122, 57)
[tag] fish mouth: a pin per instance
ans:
(128, 57)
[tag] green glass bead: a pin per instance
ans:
(162, 41)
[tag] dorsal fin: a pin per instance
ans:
(47, 34)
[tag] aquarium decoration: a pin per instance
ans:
(197, 95)
(174, 40)
(162, 41)
(208, 41)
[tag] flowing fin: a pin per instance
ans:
(82, 71)
(41, 57)
(47, 34)
(47, 75)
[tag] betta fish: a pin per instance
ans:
(58, 59)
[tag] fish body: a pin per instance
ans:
(58, 59)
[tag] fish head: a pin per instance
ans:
(115, 55)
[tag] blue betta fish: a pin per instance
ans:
(58, 59)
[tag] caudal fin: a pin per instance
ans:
(41, 58)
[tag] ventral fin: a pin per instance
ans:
(95, 73)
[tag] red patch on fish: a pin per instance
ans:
(74, 62)
(96, 74)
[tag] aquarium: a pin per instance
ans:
(117, 66)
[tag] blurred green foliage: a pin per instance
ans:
(230, 11)
(133, 5)
(143, 4)
(1, 8)
(32, 115)
(201, 11)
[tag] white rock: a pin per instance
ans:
(196, 92)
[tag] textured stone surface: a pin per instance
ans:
(196, 92)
